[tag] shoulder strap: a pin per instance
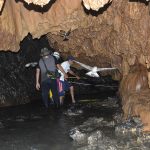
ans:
(44, 64)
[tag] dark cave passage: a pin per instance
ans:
(94, 122)
(17, 83)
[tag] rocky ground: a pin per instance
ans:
(109, 131)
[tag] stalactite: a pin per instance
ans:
(1, 4)
(38, 2)
(95, 4)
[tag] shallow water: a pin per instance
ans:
(31, 127)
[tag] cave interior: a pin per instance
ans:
(102, 33)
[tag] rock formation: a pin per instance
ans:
(1, 4)
(135, 93)
(19, 18)
(38, 2)
(95, 4)
(116, 34)
(89, 4)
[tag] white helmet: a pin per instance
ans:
(56, 54)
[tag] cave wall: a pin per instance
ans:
(17, 83)
(135, 93)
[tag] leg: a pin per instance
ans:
(72, 94)
(68, 86)
(61, 91)
(55, 91)
(45, 91)
(61, 100)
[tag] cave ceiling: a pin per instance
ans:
(115, 31)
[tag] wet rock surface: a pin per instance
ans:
(111, 132)
(91, 124)
(17, 83)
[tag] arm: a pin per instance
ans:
(37, 78)
(62, 70)
(71, 72)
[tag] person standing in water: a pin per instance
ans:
(65, 84)
(47, 68)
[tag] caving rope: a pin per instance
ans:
(97, 85)
(88, 84)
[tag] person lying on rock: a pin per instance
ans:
(47, 68)
(64, 85)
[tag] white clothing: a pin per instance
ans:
(66, 66)
(56, 54)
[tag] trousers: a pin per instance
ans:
(47, 85)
